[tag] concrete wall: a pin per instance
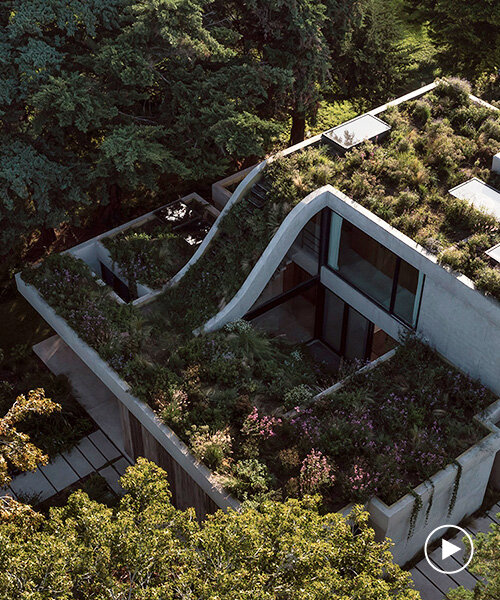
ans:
(455, 318)
(394, 521)
(220, 194)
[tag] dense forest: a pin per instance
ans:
(108, 108)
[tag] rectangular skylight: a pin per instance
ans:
(355, 131)
(480, 194)
(494, 253)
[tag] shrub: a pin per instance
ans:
(316, 473)
(289, 458)
(454, 257)
(298, 396)
(420, 112)
(488, 280)
(211, 448)
(250, 478)
(454, 90)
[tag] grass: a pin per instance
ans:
(436, 142)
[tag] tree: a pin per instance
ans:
(322, 46)
(15, 447)
(146, 548)
(110, 99)
(486, 566)
(467, 32)
(290, 36)
(371, 61)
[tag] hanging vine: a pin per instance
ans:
(431, 500)
(456, 484)
(417, 505)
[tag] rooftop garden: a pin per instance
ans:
(243, 403)
(437, 142)
(242, 400)
(150, 255)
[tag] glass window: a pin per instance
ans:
(366, 264)
(333, 318)
(294, 318)
(358, 329)
(372, 268)
(407, 291)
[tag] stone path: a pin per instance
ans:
(433, 585)
(90, 392)
(95, 453)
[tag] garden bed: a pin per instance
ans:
(150, 255)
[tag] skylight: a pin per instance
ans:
(480, 194)
(494, 253)
(355, 131)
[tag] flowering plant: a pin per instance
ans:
(315, 473)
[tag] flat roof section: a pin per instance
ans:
(494, 253)
(357, 130)
(480, 194)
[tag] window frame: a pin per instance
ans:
(421, 276)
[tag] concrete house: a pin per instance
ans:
(339, 276)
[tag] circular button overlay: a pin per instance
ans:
(452, 556)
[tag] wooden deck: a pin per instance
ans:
(435, 586)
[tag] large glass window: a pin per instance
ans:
(408, 288)
(349, 333)
(374, 270)
(366, 264)
(294, 318)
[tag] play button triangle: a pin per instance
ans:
(448, 549)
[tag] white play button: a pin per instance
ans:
(448, 549)
(446, 556)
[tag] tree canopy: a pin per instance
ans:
(145, 548)
(100, 99)
(467, 32)
(16, 450)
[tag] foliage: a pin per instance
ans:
(149, 258)
(485, 566)
(213, 381)
(315, 473)
(211, 448)
(16, 449)
(387, 435)
(462, 30)
(95, 98)
(391, 427)
(146, 548)
(372, 60)
(297, 396)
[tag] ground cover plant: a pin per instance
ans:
(150, 257)
(437, 142)
(240, 399)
